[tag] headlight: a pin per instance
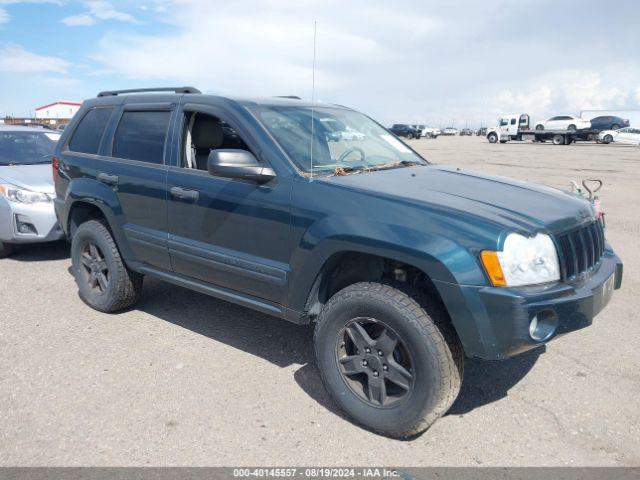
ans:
(20, 195)
(522, 261)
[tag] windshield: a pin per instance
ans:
(343, 140)
(26, 148)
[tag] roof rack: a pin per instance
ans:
(111, 93)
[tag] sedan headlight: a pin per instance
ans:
(522, 261)
(20, 195)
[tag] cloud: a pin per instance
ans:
(14, 2)
(98, 10)
(81, 19)
(398, 62)
(568, 92)
(14, 58)
(219, 46)
(4, 16)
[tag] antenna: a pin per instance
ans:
(313, 94)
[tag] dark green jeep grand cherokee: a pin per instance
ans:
(317, 214)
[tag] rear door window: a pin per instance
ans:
(88, 134)
(141, 136)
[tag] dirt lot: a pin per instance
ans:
(185, 379)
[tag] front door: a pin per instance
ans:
(227, 232)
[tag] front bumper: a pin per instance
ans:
(40, 218)
(493, 323)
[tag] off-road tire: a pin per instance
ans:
(425, 329)
(5, 249)
(124, 285)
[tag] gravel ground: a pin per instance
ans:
(184, 379)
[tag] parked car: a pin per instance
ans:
(481, 132)
(466, 132)
(450, 131)
(624, 135)
(26, 187)
(419, 128)
(403, 267)
(608, 122)
(404, 130)
(430, 132)
(563, 122)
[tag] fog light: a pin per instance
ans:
(543, 325)
(24, 226)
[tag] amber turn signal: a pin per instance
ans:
(493, 268)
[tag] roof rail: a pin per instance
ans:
(112, 93)
(293, 97)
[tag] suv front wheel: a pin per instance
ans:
(391, 364)
(104, 281)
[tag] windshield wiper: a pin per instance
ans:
(339, 171)
(401, 163)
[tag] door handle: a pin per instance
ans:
(108, 178)
(184, 194)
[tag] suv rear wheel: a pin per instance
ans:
(391, 364)
(104, 281)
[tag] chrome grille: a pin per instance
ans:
(581, 250)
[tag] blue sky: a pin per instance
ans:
(405, 61)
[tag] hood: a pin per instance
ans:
(514, 205)
(37, 178)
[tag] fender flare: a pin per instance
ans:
(441, 259)
(87, 191)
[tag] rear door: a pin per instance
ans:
(134, 167)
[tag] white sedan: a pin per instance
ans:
(563, 122)
(622, 135)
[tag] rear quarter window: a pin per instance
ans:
(141, 136)
(88, 134)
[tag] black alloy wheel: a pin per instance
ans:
(95, 270)
(374, 362)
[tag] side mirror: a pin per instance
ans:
(234, 163)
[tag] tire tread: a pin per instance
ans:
(128, 284)
(427, 317)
